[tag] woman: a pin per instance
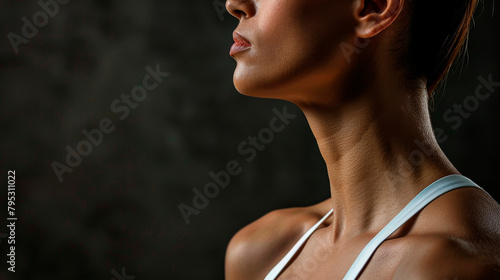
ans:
(362, 72)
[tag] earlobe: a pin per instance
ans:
(374, 16)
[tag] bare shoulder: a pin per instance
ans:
(255, 249)
(442, 257)
(461, 240)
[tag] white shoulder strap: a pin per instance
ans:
(277, 269)
(425, 197)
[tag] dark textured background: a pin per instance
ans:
(119, 207)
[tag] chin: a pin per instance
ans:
(256, 89)
(261, 86)
(246, 85)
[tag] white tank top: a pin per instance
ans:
(425, 197)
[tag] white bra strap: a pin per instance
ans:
(277, 269)
(426, 196)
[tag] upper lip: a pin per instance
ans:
(238, 38)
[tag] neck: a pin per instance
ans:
(380, 152)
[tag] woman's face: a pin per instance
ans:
(294, 44)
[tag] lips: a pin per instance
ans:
(240, 44)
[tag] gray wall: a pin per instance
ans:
(118, 208)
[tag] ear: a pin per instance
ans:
(373, 16)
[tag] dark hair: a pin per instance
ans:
(436, 33)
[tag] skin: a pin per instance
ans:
(368, 124)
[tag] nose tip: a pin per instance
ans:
(240, 8)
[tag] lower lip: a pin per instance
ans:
(239, 47)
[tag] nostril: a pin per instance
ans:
(240, 8)
(239, 13)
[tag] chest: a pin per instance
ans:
(322, 261)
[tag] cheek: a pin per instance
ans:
(289, 39)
